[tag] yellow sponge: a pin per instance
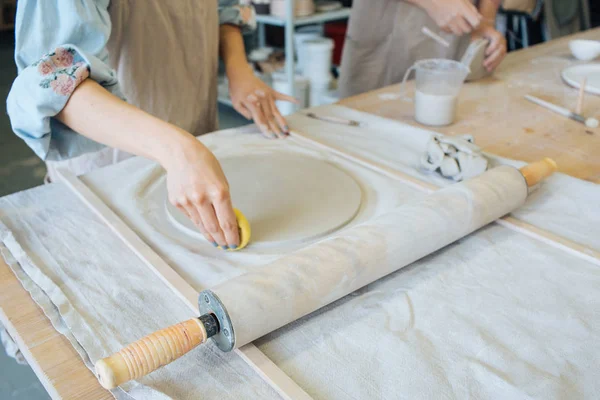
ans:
(243, 229)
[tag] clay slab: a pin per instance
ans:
(287, 198)
(474, 57)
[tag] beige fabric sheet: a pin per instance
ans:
(496, 315)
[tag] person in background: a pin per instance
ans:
(384, 38)
(138, 77)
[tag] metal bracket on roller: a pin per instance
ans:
(209, 303)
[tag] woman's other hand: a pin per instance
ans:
(255, 100)
(198, 187)
(496, 50)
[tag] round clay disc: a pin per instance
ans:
(287, 198)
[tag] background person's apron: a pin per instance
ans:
(166, 57)
(384, 40)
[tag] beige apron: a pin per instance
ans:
(166, 57)
(384, 40)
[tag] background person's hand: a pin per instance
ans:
(198, 187)
(496, 50)
(255, 100)
(453, 16)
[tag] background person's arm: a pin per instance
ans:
(452, 16)
(250, 96)
(496, 51)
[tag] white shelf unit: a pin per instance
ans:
(311, 19)
(290, 22)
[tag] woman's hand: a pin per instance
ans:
(255, 100)
(452, 16)
(198, 187)
(496, 50)
(195, 180)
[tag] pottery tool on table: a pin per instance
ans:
(333, 120)
(245, 308)
(589, 122)
(435, 36)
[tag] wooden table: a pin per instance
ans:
(503, 122)
(493, 111)
(50, 354)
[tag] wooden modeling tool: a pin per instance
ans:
(579, 108)
(589, 122)
(435, 36)
(245, 308)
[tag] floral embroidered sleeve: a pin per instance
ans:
(61, 71)
(232, 12)
(58, 46)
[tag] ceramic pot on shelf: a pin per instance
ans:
(303, 8)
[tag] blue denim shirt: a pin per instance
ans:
(58, 45)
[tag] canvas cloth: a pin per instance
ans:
(495, 315)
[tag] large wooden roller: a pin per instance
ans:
(252, 305)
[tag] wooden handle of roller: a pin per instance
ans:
(537, 171)
(150, 353)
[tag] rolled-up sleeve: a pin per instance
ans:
(59, 44)
(233, 13)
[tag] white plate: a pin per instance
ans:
(585, 50)
(574, 75)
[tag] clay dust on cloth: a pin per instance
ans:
(495, 315)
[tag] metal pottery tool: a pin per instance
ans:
(247, 307)
(579, 108)
(334, 120)
(589, 122)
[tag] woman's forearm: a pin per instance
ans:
(231, 47)
(488, 10)
(97, 114)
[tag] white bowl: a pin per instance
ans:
(585, 50)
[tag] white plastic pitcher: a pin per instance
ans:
(438, 83)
